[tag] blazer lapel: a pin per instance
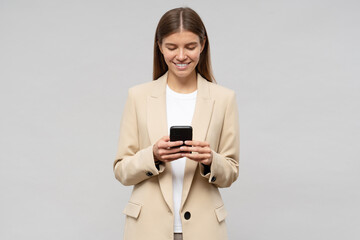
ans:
(157, 128)
(156, 110)
(200, 123)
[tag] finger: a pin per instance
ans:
(169, 151)
(175, 143)
(197, 143)
(196, 149)
(166, 138)
(162, 145)
(162, 142)
(171, 157)
(168, 144)
(197, 157)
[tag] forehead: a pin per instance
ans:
(182, 37)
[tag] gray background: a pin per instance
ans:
(65, 70)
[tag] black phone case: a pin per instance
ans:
(180, 133)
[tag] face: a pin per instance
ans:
(181, 52)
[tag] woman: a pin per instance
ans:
(175, 194)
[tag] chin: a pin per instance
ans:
(182, 74)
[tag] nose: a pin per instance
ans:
(181, 56)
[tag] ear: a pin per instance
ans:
(203, 44)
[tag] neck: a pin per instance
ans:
(186, 84)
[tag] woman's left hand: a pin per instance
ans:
(200, 151)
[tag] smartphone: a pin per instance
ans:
(180, 133)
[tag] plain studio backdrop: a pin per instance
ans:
(66, 66)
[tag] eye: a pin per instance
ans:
(191, 46)
(171, 48)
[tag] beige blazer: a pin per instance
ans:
(149, 212)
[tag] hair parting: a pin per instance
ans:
(176, 20)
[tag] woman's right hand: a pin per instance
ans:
(163, 152)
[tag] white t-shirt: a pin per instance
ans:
(180, 110)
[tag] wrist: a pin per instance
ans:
(154, 156)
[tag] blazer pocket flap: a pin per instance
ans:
(221, 213)
(132, 210)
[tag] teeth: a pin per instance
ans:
(181, 65)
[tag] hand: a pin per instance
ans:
(163, 152)
(201, 151)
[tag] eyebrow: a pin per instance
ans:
(173, 44)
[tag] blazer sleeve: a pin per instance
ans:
(224, 169)
(132, 164)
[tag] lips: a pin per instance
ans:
(182, 66)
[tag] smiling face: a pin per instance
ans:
(181, 52)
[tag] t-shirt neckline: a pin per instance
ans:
(172, 93)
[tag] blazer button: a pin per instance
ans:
(149, 174)
(213, 179)
(187, 215)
